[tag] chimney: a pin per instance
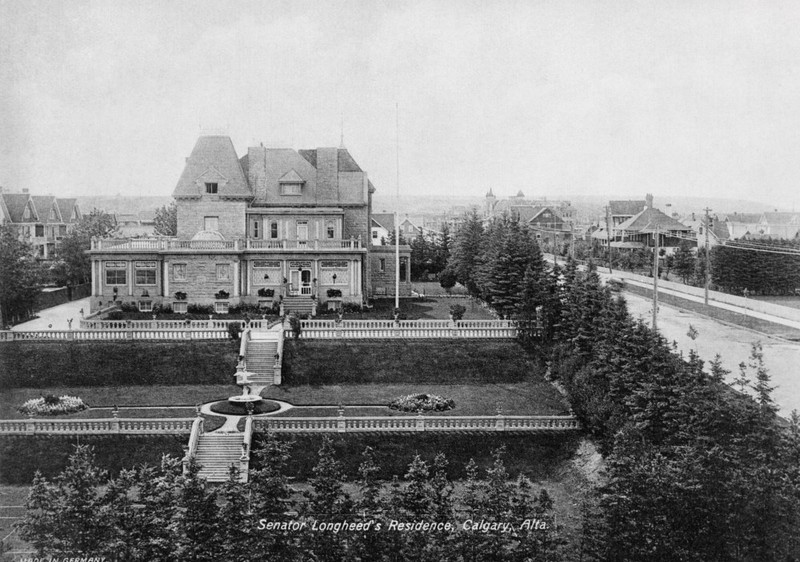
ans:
(693, 215)
(648, 201)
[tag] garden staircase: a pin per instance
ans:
(260, 359)
(216, 452)
(302, 306)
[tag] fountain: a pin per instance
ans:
(247, 397)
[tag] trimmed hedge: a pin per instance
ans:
(537, 456)
(45, 364)
(22, 456)
(321, 362)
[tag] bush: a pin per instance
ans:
(296, 326)
(264, 292)
(29, 364)
(334, 293)
(457, 311)
(128, 307)
(447, 279)
(199, 309)
(351, 307)
(51, 405)
(422, 402)
(180, 295)
(22, 456)
(222, 294)
(115, 315)
(234, 330)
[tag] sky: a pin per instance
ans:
(552, 98)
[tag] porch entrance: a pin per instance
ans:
(300, 282)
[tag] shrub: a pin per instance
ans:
(50, 405)
(334, 293)
(200, 309)
(457, 311)
(296, 326)
(162, 309)
(222, 294)
(351, 307)
(115, 315)
(422, 402)
(234, 330)
(128, 307)
(264, 292)
(180, 295)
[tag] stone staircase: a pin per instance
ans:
(260, 359)
(216, 452)
(302, 306)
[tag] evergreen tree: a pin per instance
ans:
(20, 276)
(166, 220)
(466, 251)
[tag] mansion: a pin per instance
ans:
(276, 225)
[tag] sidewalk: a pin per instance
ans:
(57, 317)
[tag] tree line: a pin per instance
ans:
(163, 513)
(761, 272)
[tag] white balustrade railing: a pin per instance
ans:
(115, 334)
(130, 426)
(177, 324)
(164, 244)
(344, 424)
(379, 329)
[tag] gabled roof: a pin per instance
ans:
(68, 207)
(648, 220)
(385, 220)
(44, 204)
(291, 177)
(626, 208)
(213, 159)
(16, 203)
(746, 218)
(778, 218)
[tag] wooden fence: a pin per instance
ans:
(408, 424)
(129, 426)
(412, 329)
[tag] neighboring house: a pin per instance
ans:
(638, 230)
(742, 224)
(409, 229)
(779, 225)
(494, 207)
(717, 234)
(273, 223)
(41, 220)
(382, 227)
(545, 222)
(134, 225)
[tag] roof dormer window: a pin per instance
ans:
(212, 187)
(291, 183)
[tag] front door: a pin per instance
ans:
(305, 282)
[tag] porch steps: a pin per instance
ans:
(215, 454)
(302, 306)
(260, 359)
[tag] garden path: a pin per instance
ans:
(232, 421)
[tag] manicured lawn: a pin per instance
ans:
(528, 398)
(406, 361)
(415, 309)
(107, 397)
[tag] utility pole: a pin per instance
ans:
(608, 237)
(655, 281)
(707, 210)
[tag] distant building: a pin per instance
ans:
(638, 230)
(41, 220)
(494, 207)
(135, 225)
(717, 234)
(274, 224)
(779, 225)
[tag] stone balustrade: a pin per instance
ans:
(388, 424)
(129, 426)
(115, 334)
(379, 329)
(176, 324)
(172, 244)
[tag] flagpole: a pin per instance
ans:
(396, 203)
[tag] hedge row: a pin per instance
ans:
(418, 361)
(43, 364)
(22, 456)
(538, 456)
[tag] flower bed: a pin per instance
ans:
(53, 405)
(422, 402)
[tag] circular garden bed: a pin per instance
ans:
(261, 407)
(422, 403)
(51, 405)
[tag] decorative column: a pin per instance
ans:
(165, 279)
(235, 266)
(131, 273)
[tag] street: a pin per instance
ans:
(733, 344)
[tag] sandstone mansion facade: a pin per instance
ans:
(276, 225)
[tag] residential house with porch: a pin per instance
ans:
(639, 230)
(275, 225)
(41, 220)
